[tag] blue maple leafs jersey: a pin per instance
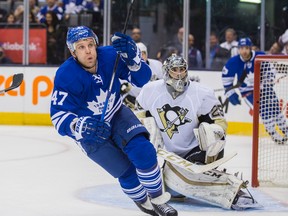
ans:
(79, 93)
(235, 66)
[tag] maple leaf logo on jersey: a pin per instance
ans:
(172, 118)
(96, 106)
(249, 80)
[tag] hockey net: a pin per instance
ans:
(269, 158)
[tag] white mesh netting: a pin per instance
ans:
(273, 145)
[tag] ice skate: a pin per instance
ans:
(146, 207)
(161, 207)
(244, 201)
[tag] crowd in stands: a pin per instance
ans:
(220, 51)
(57, 15)
(54, 15)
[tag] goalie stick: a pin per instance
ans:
(192, 167)
(115, 65)
(17, 80)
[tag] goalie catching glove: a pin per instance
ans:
(211, 138)
(90, 130)
(130, 53)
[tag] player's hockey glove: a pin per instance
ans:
(90, 130)
(130, 53)
(233, 97)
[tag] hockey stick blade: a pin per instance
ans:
(17, 80)
(192, 167)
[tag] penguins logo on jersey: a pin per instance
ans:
(172, 118)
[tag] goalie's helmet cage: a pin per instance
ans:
(175, 73)
(75, 34)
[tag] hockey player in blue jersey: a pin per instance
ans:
(242, 67)
(120, 143)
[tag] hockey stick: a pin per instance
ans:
(115, 65)
(237, 85)
(17, 80)
(192, 167)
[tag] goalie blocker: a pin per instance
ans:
(211, 139)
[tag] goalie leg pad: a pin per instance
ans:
(214, 187)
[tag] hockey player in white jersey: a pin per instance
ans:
(192, 125)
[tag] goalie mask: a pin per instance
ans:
(175, 75)
(79, 33)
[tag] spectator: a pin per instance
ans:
(275, 48)
(194, 55)
(283, 42)
(10, 19)
(136, 35)
(165, 52)
(173, 46)
(230, 42)
(218, 55)
(32, 18)
(50, 6)
(71, 7)
(283, 39)
(3, 58)
(177, 41)
(93, 5)
(34, 10)
(55, 38)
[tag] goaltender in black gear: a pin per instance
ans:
(189, 121)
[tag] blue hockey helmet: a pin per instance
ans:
(245, 42)
(75, 34)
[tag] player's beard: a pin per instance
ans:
(247, 56)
